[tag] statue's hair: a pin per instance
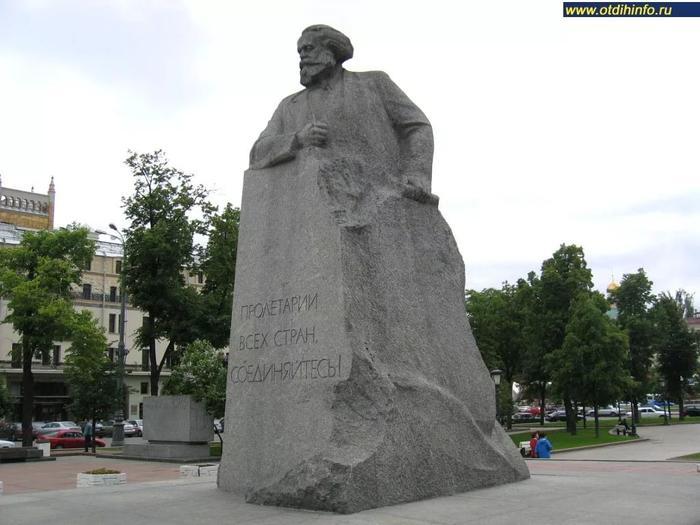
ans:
(336, 41)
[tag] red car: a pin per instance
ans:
(67, 439)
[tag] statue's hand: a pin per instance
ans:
(313, 134)
(414, 190)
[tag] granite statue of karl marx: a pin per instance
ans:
(361, 118)
(388, 399)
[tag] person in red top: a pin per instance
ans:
(533, 444)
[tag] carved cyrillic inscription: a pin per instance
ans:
(275, 307)
(285, 371)
(276, 338)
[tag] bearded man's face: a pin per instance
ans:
(315, 60)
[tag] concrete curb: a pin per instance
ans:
(179, 461)
(601, 445)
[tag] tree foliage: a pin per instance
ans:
(498, 318)
(89, 373)
(675, 345)
(159, 247)
(591, 365)
(5, 401)
(634, 299)
(200, 373)
(36, 277)
(219, 268)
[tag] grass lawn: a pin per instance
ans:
(561, 439)
(690, 457)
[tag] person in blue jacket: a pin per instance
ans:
(544, 447)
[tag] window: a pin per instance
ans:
(87, 291)
(110, 354)
(144, 359)
(200, 278)
(56, 355)
(113, 294)
(112, 323)
(45, 357)
(16, 355)
(144, 388)
(118, 267)
(88, 266)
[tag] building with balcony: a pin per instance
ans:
(99, 293)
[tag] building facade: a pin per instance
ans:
(99, 293)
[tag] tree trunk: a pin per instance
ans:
(583, 412)
(155, 371)
(93, 433)
(570, 417)
(543, 394)
(635, 411)
(681, 417)
(27, 393)
(597, 425)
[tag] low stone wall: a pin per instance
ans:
(100, 480)
(208, 471)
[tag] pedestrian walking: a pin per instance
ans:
(88, 433)
(544, 447)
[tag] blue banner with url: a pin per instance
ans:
(632, 9)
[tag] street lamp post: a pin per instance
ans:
(496, 376)
(118, 427)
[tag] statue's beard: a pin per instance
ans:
(310, 74)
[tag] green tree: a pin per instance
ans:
(497, 322)
(200, 373)
(675, 345)
(591, 365)
(5, 401)
(634, 299)
(89, 373)
(563, 278)
(36, 277)
(219, 268)
(159, 247)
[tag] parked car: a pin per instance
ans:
(691, 410)
(10, 431)
(103, 428)
(608, 411)
(36, 427)
(524, 417)
(559, 415)
(131, 429)
(138, 424)
(6, 444)
(67, 439)
(647, 412)
(58, 425)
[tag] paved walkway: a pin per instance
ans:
(560, 492)
(41, 476)
(665, 442)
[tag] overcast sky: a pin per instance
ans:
(547, 130)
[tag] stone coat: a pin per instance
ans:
(372, 124)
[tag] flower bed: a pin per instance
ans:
(100, 478)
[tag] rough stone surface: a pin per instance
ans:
(176, 418)
(354, 379)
